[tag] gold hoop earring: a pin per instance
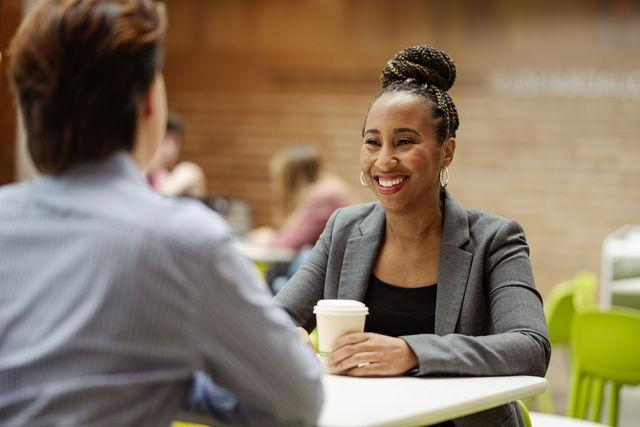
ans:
(444, 177)
(362, 181)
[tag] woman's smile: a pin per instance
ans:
(389, 183)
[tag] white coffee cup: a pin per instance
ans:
(335, 318)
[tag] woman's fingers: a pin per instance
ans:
(368, 370)
(357, 360)
(369, 354)
(352, 338)
(347, 345)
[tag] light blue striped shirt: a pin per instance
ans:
(112, 296)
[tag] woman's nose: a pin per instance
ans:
(386, 160)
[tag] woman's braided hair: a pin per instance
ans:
(428, 72)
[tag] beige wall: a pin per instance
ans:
(547, 95)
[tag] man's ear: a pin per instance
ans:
(147, 100)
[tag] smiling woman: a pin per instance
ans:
(409, 157)
(450, 290)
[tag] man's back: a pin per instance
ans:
(111, 297)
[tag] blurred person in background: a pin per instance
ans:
(111, 296)
(165, 174)
(305, 197)
(450, 290)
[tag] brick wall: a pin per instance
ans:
(10, 12)
(548, 106)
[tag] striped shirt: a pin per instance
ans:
(112, 296)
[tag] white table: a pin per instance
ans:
(264, 254)
(407, 401)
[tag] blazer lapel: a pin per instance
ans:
(455, 264)
(360, 255)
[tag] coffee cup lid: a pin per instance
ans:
(340, 306)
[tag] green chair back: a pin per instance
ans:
(561, 305)
(565, 300)
(606, 352)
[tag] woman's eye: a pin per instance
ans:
(404, 141)
(371, 142)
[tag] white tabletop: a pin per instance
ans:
(409, 401)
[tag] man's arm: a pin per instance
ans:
(249, 345)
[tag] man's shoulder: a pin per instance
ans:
(11, 194)
(188, 222)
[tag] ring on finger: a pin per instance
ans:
(363, 364)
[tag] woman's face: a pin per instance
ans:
(400, 155)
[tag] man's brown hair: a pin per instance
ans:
(79, 69)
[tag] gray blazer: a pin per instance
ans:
(489, 318)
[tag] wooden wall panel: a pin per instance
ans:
(10, 14)
(548, 92)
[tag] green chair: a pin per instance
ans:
(525, 413)
(563, 302)
(606, 351)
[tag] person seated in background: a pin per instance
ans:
(450, 290)
(165, 174)
(305, 194)
(112, 297)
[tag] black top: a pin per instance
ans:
(396, 311)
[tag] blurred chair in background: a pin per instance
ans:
(165, 174)
(563, 302)
(606, 349)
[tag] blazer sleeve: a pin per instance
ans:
(306, 286)
(517, 342)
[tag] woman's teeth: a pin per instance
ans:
(390, 182)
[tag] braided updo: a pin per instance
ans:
(428, 72)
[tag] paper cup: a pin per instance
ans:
(335, 318)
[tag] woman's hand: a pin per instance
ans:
(368, 354)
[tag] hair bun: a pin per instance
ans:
(422, 64)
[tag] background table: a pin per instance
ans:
(408, 401)
(265, 254)
(264, 257)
